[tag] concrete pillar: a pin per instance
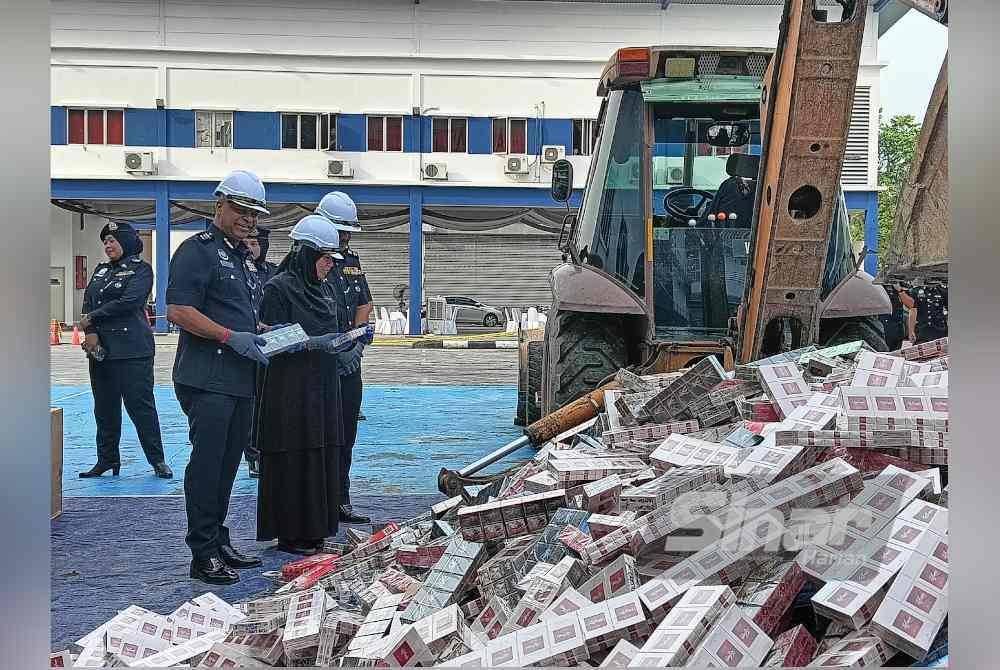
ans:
(871, 233)
(162, 259)
(416, 258)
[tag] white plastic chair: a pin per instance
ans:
(532, 318)
(398, 323)
(386, 322)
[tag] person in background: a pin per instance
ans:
(257, 242)
(210, 299)
(354, 305)
(119, 342)
(928, 306)
(300, 430)
(894, 323)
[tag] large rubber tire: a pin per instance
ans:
(843, 331)
(490, 321)
(581, 350)
(533, 399)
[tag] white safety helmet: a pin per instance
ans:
(340, 210)
(317, 232)
(245, 189)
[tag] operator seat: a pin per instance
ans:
(736, 194)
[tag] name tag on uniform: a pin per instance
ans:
(125, 273)
(227, 264)
(353, 271)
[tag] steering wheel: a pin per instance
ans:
(681, 214)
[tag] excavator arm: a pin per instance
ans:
(806, 113)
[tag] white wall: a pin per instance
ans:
(466, 57)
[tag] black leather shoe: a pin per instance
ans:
(254, 468)
(347, 515)
(296, 547)
(235, 559)
(163, 470)
(213, 571)
(100, 469)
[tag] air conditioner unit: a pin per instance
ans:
(436, 308)
(552, 153)
(516, 165)
(435, 171)
(140, 162)
(339, 168)
(676, 176)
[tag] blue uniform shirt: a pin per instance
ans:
(208, 273)
(351, 288)
(115, 301)
(264, 271)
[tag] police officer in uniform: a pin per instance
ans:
(258, 242)
(119, 343)
(894, 323)
(210, 298)
(930, 304)
(354, 304)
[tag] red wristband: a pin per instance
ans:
(226, 336)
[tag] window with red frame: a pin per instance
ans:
(449, 135)
(95, 126)
(510, 136)
(385, 133)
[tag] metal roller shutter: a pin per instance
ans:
(384, 257)
(499, 270)
(856, 156)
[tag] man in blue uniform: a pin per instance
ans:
(258, 242)
(354, 304)
(119, 343)
(210, 298)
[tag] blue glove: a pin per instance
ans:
(349, 361)
(248, 345)
(324, 343)
(369, 335)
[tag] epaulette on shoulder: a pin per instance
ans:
(205, 236)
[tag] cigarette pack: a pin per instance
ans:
(620, 656)
(405, 648)
(917, 603)
(566, 641)
(794, 648)
(181, 652)
(221, 656)
(683, 450)
(601, 496)
(925, 350)
(302, 622)
(283, 339)
(493, 617)
(618, 577)
(548, 548)
(532, 644)
(673, 401)
(541, 482)
(575, 539)
(568, 601)
(734, 641)
(859, 651)
(767, 596)
(446, 508)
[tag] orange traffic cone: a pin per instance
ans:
(54, 337)
(76, 336)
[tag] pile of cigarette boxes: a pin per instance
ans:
(790, 513)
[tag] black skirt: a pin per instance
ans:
(299, 495)
(299, 434)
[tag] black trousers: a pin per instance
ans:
(128, 381)
(351, 390)
(252, 451)
(219, 426)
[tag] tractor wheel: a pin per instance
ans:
(533, 400)
(852, 329)
(581, 350)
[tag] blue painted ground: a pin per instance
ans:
(120, 540)
(409, 434)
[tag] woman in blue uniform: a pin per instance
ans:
(119, 343)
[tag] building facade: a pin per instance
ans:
(411, 107)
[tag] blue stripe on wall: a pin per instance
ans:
(351, 130)
(58, 122)
(256, 130)
(180, 128)
(142, 127)
(411, 134)
(480, 135)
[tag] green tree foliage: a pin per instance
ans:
(897, 141)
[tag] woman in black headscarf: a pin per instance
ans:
(300, 429)
(119, 343)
